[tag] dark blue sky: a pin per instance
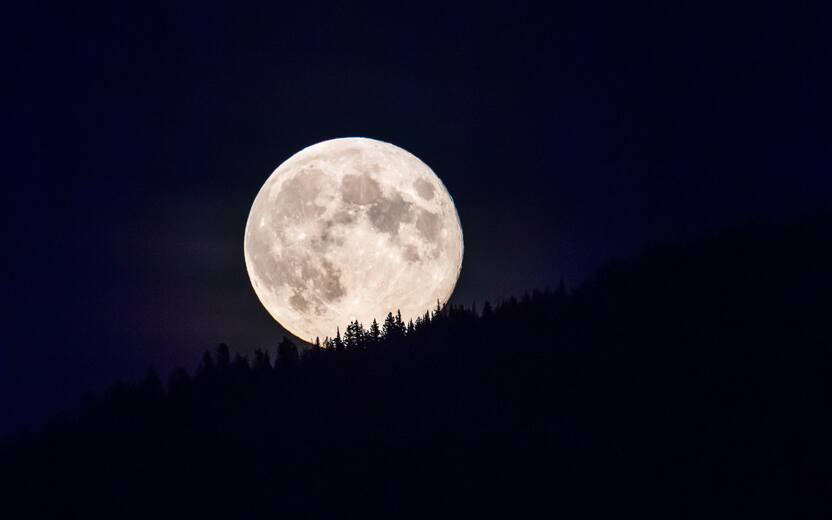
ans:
(567, 134)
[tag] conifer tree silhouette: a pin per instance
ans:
(314, 352)
(487, 310)
(151, 388)
(262, 361)
(207, 368)
(437, 311)
(400, 326)
(287, 354)
(240, 364)
(388, 328)
(223, 357)
(179, 382)
(353, 336)
(374, 334)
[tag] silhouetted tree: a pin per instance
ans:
(561, 290)
(374, 333)
(392, 329)
(262, 361)
(388, 324)
(152, 386)
(287, 353)
(179, 382)
(240, 363)
(400, 326)
(487, 310)
(223, 357)
(207, 368)
(354, 336)
(315, 352)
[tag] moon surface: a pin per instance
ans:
(351, 229)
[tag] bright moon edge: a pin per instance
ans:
(351, 229)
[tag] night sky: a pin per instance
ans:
(566, 134)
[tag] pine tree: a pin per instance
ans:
(399, 322)
(487, 310)
(337, 343)
(223, 356)
(374, 334)
(287, 354)
(315, 351)
(561, 290)
(353, 336)
(179, 383)
(152, 388)
(207, 367)
(360, 335)
(240, 363)
(388, 329)
(262, 361)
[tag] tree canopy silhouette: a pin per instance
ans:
(693, 383)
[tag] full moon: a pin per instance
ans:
(351, 229)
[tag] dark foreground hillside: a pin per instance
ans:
(695, 382)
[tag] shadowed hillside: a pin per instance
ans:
(695, 382)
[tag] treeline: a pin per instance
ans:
(392, 334)
(694, 382)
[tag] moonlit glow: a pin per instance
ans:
(351, 229)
